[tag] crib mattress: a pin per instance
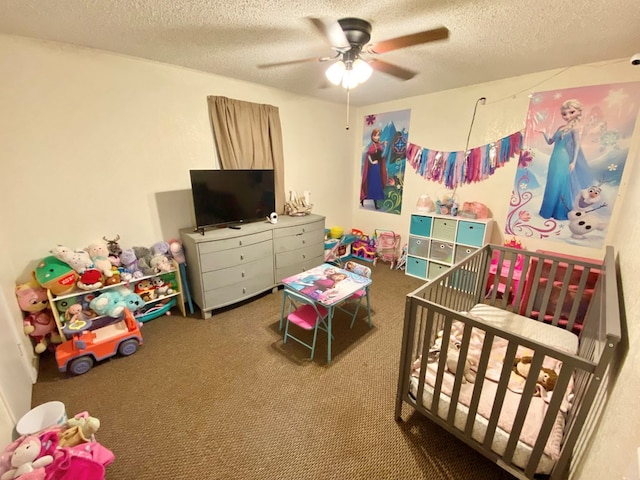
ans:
(552, 336)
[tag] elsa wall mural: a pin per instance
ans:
(383, 159)
(574, 152)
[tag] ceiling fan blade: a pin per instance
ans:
(294, 62)
(333, 32)
(388, 68)
(440, 33)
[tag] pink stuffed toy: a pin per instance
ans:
(39, 324)
(26, 462)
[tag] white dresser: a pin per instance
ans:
(225, 266)
(437, 242)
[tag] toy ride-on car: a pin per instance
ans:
(89, 346)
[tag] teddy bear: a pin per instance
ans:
(25, 460)
(99, 254)
(547, 377)
(39, 324)
(143, 254)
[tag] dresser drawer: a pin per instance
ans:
(471, 233)
(417, 267)
(301, 255)
(299, 229)
(293, 269)
(418, 247)
(235, 242)
(441, 251)
(300, 240)
(236, 256)
(238, 273)
(462, 252)
(444, 229)
(420, 225)
(229, 294)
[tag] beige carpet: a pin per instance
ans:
(224, 398)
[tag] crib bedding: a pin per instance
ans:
(506, 321)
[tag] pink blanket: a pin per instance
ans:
(537, 407)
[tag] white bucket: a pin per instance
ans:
(43, 416)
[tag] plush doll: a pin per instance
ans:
(453, 360)
(79, 260)
(39, 324)
(90, 279)
(26, 459)
(160, 264)
(114, 250)
(55, 275)
(99, 253)
(176, 251)
(143, 254)
(112, 303)
(161, 248)
(130, 262)
(162, 288)
(547, 377)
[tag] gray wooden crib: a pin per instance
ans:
(510, 351)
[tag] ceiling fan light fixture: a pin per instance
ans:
(335, 72)
(361, 70)
(349, 75)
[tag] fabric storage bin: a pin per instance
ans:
(471, 233)
(444, 229)
(417, 267)
(462, 252)
(436, 269)
(418, 247)
(441, 251)
(420, 225)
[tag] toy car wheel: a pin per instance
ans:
(80, 365)
(128, 347)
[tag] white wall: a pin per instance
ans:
(97, 144)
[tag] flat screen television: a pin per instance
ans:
(229, 197)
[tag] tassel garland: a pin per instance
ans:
(457, 168)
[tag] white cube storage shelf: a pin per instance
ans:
(437, 242)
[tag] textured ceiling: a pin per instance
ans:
(489, 39)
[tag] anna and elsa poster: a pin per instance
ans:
(574, 152)
(384, 139)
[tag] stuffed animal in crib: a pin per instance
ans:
(547, 377)
(26, 459)
(99, 254)
(453, 360)
(39, 324)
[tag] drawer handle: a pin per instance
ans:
(244, 290)
(242, 274)
(303, 242)
(304, 256)
(240, 242)
(241, 257)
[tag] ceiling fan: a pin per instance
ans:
(349, 37)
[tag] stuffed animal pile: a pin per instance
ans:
(67, 451)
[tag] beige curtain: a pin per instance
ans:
(248, 136)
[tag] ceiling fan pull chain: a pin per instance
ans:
(348, 91)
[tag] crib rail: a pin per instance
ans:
(576, 295)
